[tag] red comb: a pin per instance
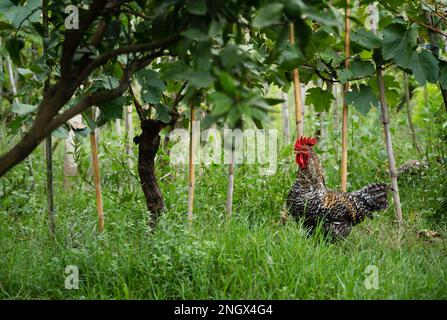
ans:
(302, 141)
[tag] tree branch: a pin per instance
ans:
(104, 96)
(134, 48)
(74, 37)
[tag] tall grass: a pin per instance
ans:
(250, 256)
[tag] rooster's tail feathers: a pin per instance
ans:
(374, 196)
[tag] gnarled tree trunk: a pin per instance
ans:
(148, 143)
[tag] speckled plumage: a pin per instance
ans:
(311, 201)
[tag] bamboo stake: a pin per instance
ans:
(191, 166)
(296, 88)
(389, 145)
(95, 161)
(48, 140)
(344, 138)
(128, 124)
(410, 120)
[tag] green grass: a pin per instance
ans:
(251, 256)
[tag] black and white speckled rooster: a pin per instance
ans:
(312, 202)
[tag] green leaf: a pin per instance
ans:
(202, 57)
(290, 57)
(425, 67)
(365, 39)
(267, 15)
(222, 103)
(230, 56)
(16, 123)
(319, 98)
(173, 71)
(227, 82)
(233, 117)
(273, 101)
(21, 108)
(358, 69)
(151, 86)
(391, 88)
(110, 110)
(5, 26)
(329, 18)
(399, 43)
(195, 34)
(362, 98)
(14, 45)
(215, 28)
(199, 79)
(60, 133)
(21, 15)
(443, 74)
(197, 7)
(162, 113)
(26, 73)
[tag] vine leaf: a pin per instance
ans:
(443, 74)
(319, 98)
(365, 39)
(425, 67)
(399, 44)
(362, 98)
(267, 15)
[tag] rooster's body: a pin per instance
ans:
(310, 200)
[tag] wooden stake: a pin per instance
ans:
(48, 140)
(296, 88)
(389, 145)
(128, 123)
(97, 177)
(191, 166)
(344, 134)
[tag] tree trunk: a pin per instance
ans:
(410, 120)
(148, 143)
(344, 143)
(285, 118)
(389, 145)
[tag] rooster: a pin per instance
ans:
(312, 202)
